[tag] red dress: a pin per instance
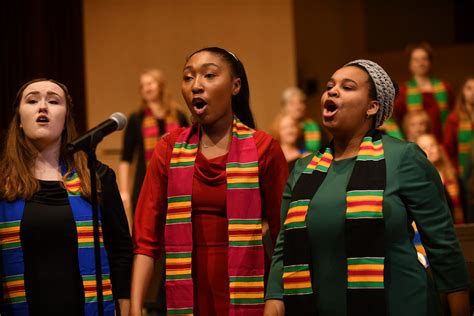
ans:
(451, 131)
(209, 215)
(430, 105)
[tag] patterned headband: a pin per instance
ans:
(383, 86)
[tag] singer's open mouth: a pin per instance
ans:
(199, 103)
(42, 119)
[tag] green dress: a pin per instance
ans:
(413, 192)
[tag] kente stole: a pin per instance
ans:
(415, 98)
(14, 296)
(452, 187)
(364, 231)
(312, 135)
(391, 128)
(465, 140)
(151, 132)
(244, 213)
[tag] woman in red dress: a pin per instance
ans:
(424, 91)
(207, 189)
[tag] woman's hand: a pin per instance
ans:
(274, 308)
(124, 306)
(141, 274)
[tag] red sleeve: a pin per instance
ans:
(273, 173)
(450, 138)
(150, 213)
(400, 106)
(451, 96)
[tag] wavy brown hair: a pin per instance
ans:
(19, 154)
(460, 106)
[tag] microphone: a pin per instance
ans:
(116, 121)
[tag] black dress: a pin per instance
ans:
(133, 144)
(48, 236)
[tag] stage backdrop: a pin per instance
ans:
(124, 37)
(41, 38)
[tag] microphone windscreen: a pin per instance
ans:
(120, 118)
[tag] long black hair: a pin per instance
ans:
(241, 101)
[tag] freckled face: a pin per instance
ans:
(42, 112)
(208, 86)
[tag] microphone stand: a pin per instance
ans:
(91, 163)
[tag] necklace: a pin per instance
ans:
(202, 144)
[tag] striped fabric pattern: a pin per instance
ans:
(297, 280)
(364, 221)
(11, 214)
(319, 162)
(369, 150)
(242, 175)
(179, 210)
(421, 252)
(183, 155)
(296, 217)
(245, 251)
(14, 289)
(150, 134)
(245, 232)
(178, 265)
(365, 273)
(85, 234)
(180, 311)
(391, 128)
(10, 235)
(90, 288)
(364, 204)
(312, 135)
(414, 97)
(452, 186)
(73, 185)
(465, 138)
(246, 290)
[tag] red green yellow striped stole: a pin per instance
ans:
(414, 97)
(465, 140)
(312, 135)
(14, 295)
(151, 132)
(245, 252)
(390, 127)
(452, 187)
(364, 219)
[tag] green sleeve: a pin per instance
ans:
(275, 278)
(422, 191)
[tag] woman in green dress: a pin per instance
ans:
(345, 246)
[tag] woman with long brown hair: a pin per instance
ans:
(436, 154)
(48, 265)
(459, 131)
(158, 114)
